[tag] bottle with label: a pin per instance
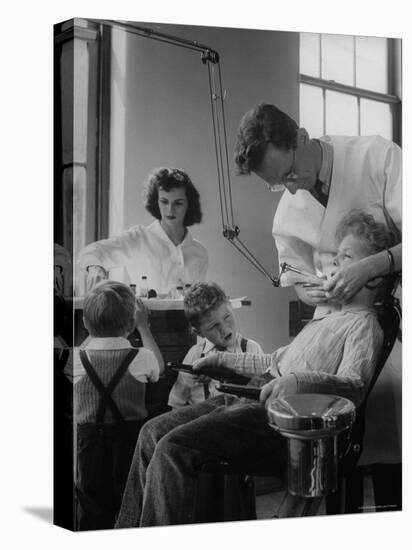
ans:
(144, 289)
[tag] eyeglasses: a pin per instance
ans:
(278, 187)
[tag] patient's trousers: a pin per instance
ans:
(162, 482)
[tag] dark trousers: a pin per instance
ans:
(104, 454)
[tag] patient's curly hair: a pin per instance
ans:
(167, 179)
(376, 235)
(200, 299)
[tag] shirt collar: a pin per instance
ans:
(350, 309)
(359, 309)
(112, 342)
(209, 346)
(158, 230)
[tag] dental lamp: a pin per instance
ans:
(211, 59)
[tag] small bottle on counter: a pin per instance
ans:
(187, 286)
(133, 288)
(144, 289)
(179, 292)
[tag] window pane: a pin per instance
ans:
(310, 53)
(375, 118)
(311, 110)
(341, 114)
(338, 58)
(372, 63)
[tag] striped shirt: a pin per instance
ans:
(335, 354)
(105, 355)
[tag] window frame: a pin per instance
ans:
(392, 99)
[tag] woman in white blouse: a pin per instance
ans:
(164, 251)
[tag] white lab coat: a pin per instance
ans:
(147, 250)
(366, 174)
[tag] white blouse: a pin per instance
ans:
(147, 250)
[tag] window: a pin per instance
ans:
(82, 122)
(350, 85)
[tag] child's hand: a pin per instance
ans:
(142, 315)
(209, 361)
(201, 378)
(278, 388)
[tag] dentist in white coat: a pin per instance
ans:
(325, 178)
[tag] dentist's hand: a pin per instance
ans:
(278, 388)
(347, 281)
(315, 294)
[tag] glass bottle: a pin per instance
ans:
(143, 290)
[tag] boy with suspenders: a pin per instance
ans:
(109, 399)
(208, 311)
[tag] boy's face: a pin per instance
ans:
(351, 249)
(219, 327)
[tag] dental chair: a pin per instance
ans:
(349, 497)
(228, 488)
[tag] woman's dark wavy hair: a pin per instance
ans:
(167, 179)
(262, 125)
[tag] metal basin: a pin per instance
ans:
(312, 423)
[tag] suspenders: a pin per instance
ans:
(243, 347)
(105, 392)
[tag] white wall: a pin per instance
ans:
(161, 111)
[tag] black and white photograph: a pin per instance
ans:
(215, 198)
(228, 256)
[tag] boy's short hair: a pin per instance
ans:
(262, 125)
(376, 235)
(167, 179)
(200, 299)
(109, 309)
